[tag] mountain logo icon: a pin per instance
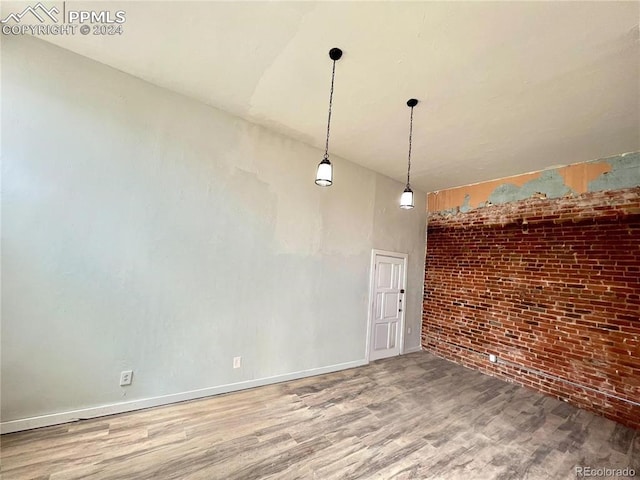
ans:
(39, 11)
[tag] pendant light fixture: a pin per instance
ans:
(324, 174)
(406, 200)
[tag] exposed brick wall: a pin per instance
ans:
(552, 287)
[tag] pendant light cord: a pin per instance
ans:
(333, 76)
(410, 139)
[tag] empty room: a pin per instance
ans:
(320, 240)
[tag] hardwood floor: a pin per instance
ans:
(410, 417)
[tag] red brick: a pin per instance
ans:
(562, 298)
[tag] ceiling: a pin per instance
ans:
(504, 87)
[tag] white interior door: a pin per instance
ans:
(387, 305)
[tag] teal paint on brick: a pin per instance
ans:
(625, 173)
(465, 207)
(450, 211)
(550, 183)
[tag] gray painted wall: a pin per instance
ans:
(391, 231)
(143, 230)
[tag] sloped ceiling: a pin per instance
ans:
(504, 87)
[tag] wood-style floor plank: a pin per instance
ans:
(410, 417)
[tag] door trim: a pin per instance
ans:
(372, 277)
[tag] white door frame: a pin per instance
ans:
(372, 278)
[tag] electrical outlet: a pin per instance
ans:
(237, 362)
(409, 330)
(126, 377)
(493, 358)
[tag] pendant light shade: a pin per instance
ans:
(406, 199)
(324, 174)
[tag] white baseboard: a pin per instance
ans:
(417, 348)
(92, 412)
